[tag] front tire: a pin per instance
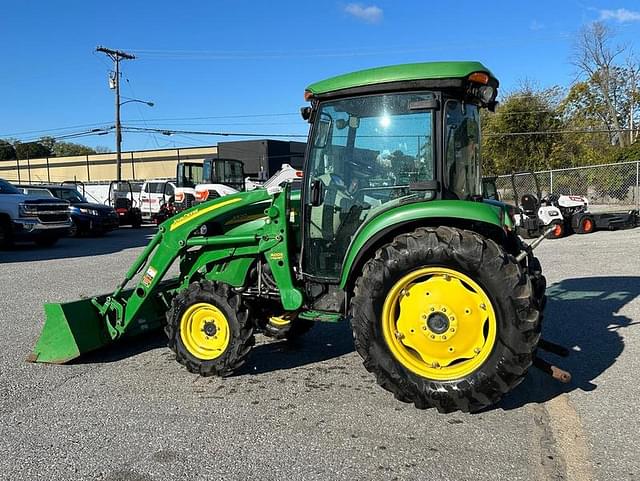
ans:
(74, 230)
(6, 234)
(558, 230)
(209, 330)
(445, 318)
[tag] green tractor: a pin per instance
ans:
(389, 231)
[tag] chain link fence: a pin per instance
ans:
(606, 186)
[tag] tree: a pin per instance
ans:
(61, 149)
(607, 94)
(7, 151)
(520, 135)
(31, 150)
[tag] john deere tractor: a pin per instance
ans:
(389, 231)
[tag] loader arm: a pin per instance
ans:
(76, 327)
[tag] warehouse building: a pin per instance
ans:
(260, 157)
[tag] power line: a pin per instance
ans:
(69, 127)
(200, 132)
(554, 132)
(57, 129)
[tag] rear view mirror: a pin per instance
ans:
(317, 192)
(305, 112)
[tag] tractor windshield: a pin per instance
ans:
(365, 154)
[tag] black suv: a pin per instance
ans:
(86, 217)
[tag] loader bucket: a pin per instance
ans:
(70, 330)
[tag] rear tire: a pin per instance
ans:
(493, 271)
(586, 225)
(222, 349)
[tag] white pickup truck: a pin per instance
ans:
(28, 218)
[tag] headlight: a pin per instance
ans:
(85, 211)
(202, 195)
(27, 210)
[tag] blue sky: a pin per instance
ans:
(244, 64)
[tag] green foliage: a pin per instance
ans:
(7, 151)
(31, 150)
(61, 149)
(524, 111)
(626, 154)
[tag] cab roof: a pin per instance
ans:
(429, 71)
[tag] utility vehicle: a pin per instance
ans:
(537, 214)
(215, 177)
(121, 198)
(390, 231)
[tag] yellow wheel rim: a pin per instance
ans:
(439, 323)
(204, 331)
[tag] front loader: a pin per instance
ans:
(389, 231)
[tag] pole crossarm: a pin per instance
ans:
(116, 56)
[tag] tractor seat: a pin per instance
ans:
(529, 203)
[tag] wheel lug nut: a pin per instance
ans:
(453, 329)
(432, 309)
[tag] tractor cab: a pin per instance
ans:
(389, 142)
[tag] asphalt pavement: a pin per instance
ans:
(309, 410)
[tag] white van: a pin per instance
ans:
(154, 193)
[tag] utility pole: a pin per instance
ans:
(116, 56)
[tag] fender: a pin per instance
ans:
(493, 213)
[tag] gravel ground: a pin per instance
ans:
(311, 411)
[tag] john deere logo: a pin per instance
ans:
(276, 256)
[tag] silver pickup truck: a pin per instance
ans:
(28, 218)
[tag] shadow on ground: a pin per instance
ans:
(325, 341)
(115, 241)
(583, 315)
(127, 347)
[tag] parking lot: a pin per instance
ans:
(309, 410)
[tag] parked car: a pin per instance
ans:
(86, 217)
(40, 219)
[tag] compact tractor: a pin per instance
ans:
(389, 231)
